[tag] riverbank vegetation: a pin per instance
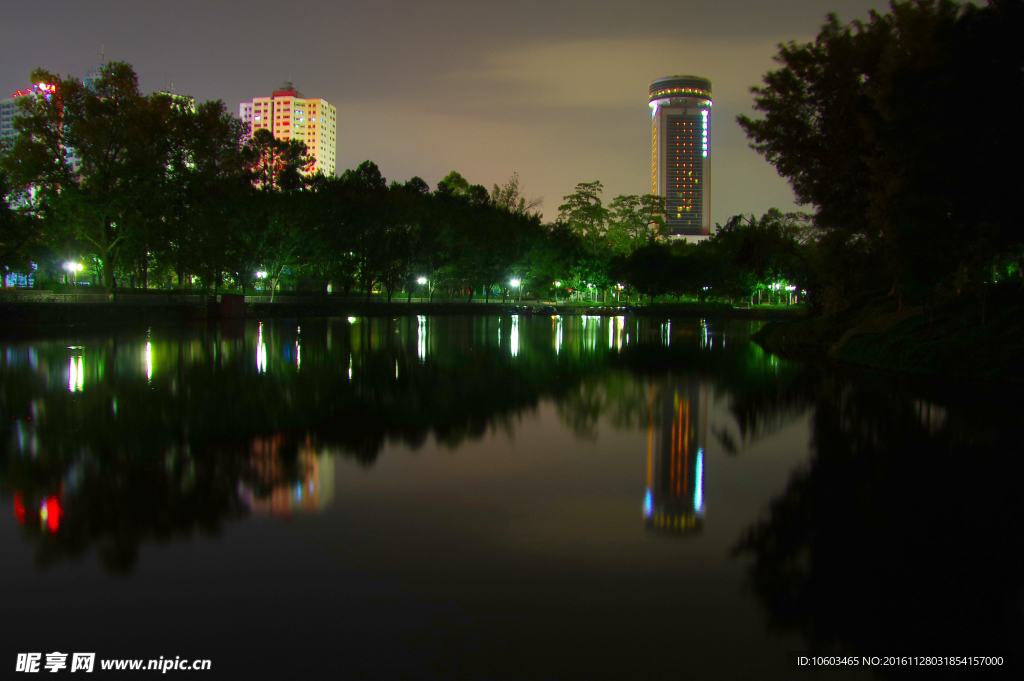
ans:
(900, 132)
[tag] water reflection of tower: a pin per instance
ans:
(675, 459)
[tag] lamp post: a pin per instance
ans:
(421, 281)
(75, 268)
(515, 283)
(262, 276)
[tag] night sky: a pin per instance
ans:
(556, 91)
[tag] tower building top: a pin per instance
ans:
(680, 86)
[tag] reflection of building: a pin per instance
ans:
(675, 460)
(283, 485)
(681, 161)
(288, 115)
(47, 512)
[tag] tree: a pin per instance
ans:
(91, 156)
(20, 235)
(650, 269)
(860, 123)
(510, 197)
(276, 167)
(189, 227)
(639, 220)
(453, 184)
(584, 213)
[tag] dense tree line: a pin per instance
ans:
(154, 189)
(901, 131)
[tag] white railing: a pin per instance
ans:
(162, 299)
(36, 296)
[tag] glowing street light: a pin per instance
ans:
(262, 276)
(421, 281)
(74, 267)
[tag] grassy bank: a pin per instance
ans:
(975, 335)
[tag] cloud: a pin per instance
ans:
(610, 73)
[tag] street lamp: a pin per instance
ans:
(262, 276)
(515, 283)
(74, 267)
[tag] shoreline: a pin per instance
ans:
(27, 314)
(977, 336)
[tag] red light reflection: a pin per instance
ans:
(19, 508)
(53, 513)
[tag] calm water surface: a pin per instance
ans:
(497, 497)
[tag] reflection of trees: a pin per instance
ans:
(116, 507)
(764, 391)
(165, 428)
(902, 535)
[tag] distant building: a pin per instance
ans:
(681, 157)
(288, 115)
(92, 77)
(8, 108)
(184, 101)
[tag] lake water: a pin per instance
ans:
(499, 497)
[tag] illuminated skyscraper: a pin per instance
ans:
(289, 115)
(675, 460)
(680, 154)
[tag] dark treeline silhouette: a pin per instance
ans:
(155, 191)
(896, 536)
(901, 132)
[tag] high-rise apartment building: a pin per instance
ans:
(8, 107)
(680, 154)
(288, 115)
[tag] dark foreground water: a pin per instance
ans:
(498, 498)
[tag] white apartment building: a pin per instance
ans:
(288, 115)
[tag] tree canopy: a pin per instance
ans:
(899, 132)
